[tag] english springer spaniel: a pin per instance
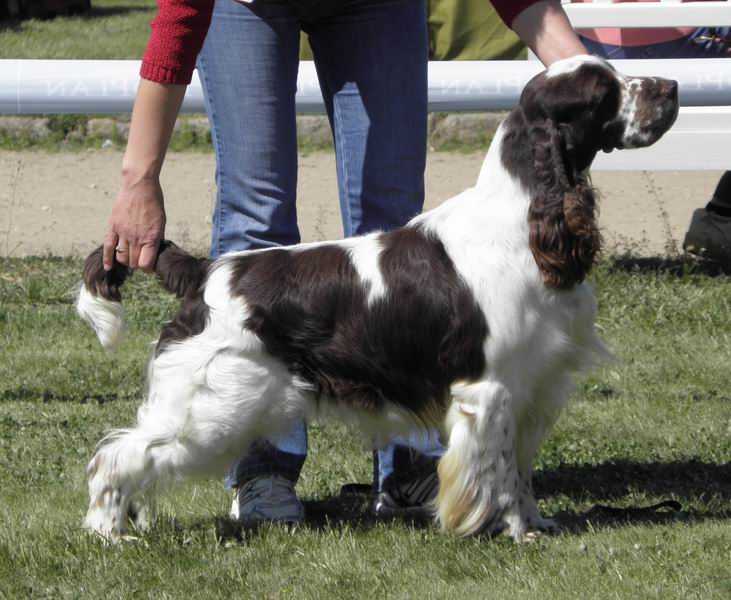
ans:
(473, 318)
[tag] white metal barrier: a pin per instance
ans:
(699, 140)
(666, 13)
(108, 86)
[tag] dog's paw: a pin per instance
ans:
(141, 516)
(527, 528)
(529, 537)
(526, 536)
(537, 529)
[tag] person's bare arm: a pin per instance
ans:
(137, 222)
(546, 29)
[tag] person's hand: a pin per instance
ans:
(136, 226)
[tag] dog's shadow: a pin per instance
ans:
(613, 480)
(606, 486)
(679, 266)
(351, 509)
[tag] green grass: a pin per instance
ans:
(114, 29)
(654, 426)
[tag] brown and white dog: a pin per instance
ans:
(473, 317)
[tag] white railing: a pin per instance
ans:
(108, 86)
(699, 140)
(666, 13)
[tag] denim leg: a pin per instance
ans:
(248, 70)
(425, 443)
(372, 65)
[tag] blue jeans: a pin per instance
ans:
(371, 60)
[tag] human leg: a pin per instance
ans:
(248, 70)
(371, 62)
(709, 233)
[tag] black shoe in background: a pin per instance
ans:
(709, 236)
(412, 488)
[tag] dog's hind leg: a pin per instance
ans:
(143, 511)
(196, 419)
(478, 476)
(120, 471)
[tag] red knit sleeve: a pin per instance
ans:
(178, 32)
(509, 9)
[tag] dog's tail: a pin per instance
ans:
(99, 302)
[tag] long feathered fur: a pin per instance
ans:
(564, 235)
(99, 300)
(476, 309)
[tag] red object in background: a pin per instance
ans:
(40, 9)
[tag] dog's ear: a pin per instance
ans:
(611, 136)
(564, 237)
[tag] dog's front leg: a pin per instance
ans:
(538, 419)
(478, 475)
(527, 522)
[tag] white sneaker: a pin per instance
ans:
(267, 499)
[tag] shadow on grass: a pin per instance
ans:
(113, 11)
(600, 516)
(608, 482)
(13, 25)
(605, 483)
(613, 480)
(25, 394)
(679, 266)
(333, 512)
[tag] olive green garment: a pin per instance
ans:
(464, 30)
(469, 30)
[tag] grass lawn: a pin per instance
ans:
(654, 426)
(113, 29)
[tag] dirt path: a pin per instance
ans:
(59, 203)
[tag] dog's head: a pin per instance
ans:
(592, 107)
(566, 114)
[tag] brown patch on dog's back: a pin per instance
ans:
(416, 266)
(310, 309)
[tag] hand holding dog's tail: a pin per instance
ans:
(100, 302)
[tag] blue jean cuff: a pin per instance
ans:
(264, 459)
(408, 465)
